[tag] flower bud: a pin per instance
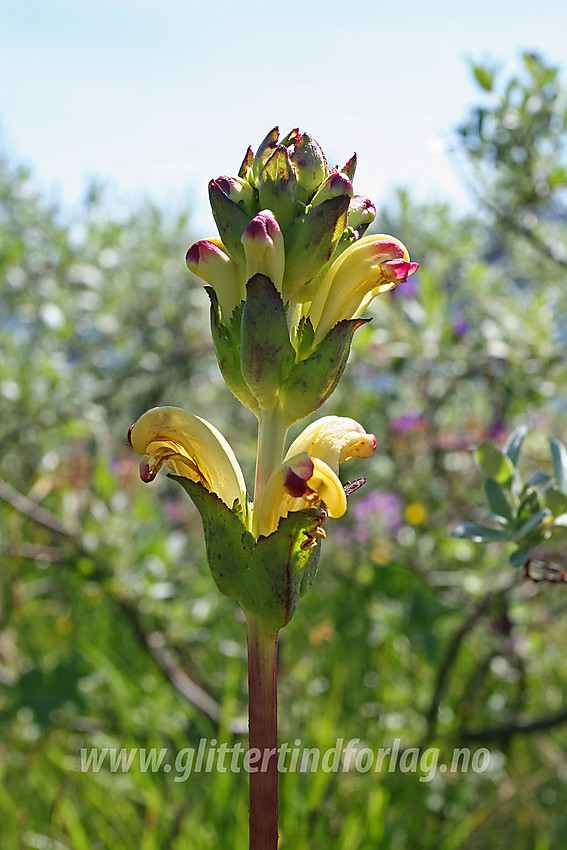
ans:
(336, 184)
(264, 248)
(208, 261)
(361, 213)
(240, 192)
(310, 166)
(277, 186)
(230, 218)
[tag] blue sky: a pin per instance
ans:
(159, 96)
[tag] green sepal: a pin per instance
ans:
(264, 152)
(245, 170)
(277, 188)
(280, 571)
(267, 356)
(314, 379)
(310, 243)
(226, 340)
(229, 545)
(305, 337)
(231, 222)
(350, 167)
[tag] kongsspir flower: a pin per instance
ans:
(309, 472)
(190, 447)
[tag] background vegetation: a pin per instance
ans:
(112, 633)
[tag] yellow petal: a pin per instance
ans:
(189, 446)
(333, 439)
(352, 276)
(321, 486)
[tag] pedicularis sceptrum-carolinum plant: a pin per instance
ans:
(288, 281)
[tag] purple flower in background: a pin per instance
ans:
(406, 422)
(381, 505)
(407, 289)
(498, 430)
(460, 328)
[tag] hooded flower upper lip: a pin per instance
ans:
(188, 446)
(192, 448)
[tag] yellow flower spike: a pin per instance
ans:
(264, 248)
(309, 471)
(190, 447)
(372, 265)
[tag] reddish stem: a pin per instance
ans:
(263, 738)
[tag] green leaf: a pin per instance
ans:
(494, 463)
(497, 499)
(532, 524)
(314, 379)
(480, 533)
(484, 76)
(559, 457)
(519, 557)
(514, 443)
(267, 356)
(537, 479)
(281, 571)
(555, 500)
(229, 545)
(226, 341)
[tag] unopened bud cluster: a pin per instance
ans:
(291, 273)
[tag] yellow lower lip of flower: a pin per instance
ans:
(323, 486)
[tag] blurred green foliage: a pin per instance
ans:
(112, 633)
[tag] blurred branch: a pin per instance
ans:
(508, 220)
(506, 730)
(183, 684)
(449, 661)
(152, 641)
(31, 509)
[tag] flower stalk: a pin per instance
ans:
(271, 441)
(263, 739)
